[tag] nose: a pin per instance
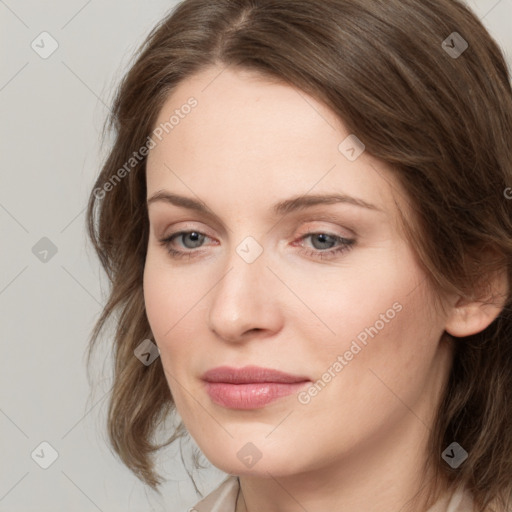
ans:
(244, 303)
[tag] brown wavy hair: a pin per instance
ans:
(444, 124)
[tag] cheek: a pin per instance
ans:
(157, 299)
(387, 346)
(168, 306)
(174, 304)
(350, 302)
(167, 298)
(379, 319)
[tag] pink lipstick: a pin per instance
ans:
(250, 387)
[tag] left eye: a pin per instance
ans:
(345, 244)
(323, 238)
(196, 239)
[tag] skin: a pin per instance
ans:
(360, 443)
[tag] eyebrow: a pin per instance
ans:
(284, 207)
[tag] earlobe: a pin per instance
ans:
(471, 316)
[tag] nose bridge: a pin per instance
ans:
(244, 297)
(247, 257)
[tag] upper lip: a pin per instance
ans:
(250, 374)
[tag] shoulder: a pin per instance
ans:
(454, 500)
(460, 500)
(463, 500)
(221, 499)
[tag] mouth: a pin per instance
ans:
(250, 387)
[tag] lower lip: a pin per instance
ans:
(250, 396)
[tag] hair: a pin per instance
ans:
(442, 122)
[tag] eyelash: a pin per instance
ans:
(346, 245)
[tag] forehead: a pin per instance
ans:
(248, 111)
(247, 136)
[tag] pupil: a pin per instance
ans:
(194, 236)
(323, 239)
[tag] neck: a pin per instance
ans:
(368, 484)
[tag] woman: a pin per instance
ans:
(371, 373)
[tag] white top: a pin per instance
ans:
(224, 497)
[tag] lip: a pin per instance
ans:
(250, 387)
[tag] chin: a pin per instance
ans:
(246, 461)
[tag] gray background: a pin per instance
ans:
(52, 112)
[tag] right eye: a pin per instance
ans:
(196, 238)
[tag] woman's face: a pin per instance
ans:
(269, 276)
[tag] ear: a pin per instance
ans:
(472, 315)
